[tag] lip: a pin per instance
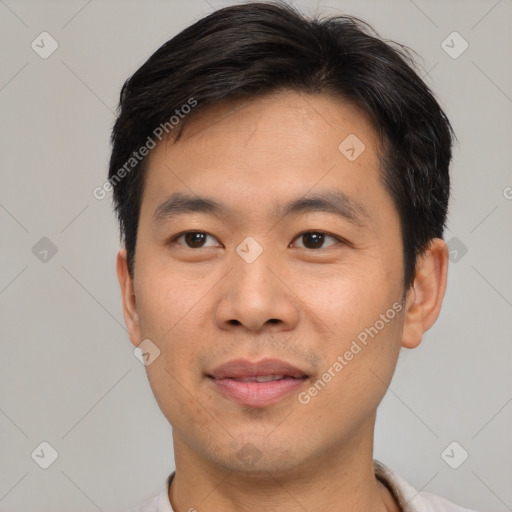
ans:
(257, 394)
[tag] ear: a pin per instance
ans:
(131, 317)
(425, 296)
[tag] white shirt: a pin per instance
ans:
(407, 497)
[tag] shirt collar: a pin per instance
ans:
(403, 492)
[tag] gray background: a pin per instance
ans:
(68, 373)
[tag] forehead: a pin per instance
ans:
(270, 149)
(289, 114)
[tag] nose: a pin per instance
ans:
(257, 296)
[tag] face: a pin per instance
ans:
(275, 303)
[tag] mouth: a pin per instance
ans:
(264, 378)
(257, 384)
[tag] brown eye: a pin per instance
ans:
(315, 239)
(194, 239)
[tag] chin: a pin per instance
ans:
(253, 458)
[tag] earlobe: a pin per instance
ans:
(425, 297)
(130, 313)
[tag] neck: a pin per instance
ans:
(341, 479)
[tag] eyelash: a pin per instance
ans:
(337, 238)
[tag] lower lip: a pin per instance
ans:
(258, 394)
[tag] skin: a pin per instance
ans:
(296, 303)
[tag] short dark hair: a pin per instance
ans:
(247, 50)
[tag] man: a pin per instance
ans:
(282, 188)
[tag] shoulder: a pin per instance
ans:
(149, 505)
(159, 503)
(409, 498)
(426, 501)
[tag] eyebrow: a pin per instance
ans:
(337, 203)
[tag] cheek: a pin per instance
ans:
(357, 370)
(351, 297)
(171, 318)
(364, 314)
(172, 315)
(166, 299)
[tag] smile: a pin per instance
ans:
(257, 384)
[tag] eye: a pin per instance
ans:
(310, 240)
(315, 239)
(193, 239)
